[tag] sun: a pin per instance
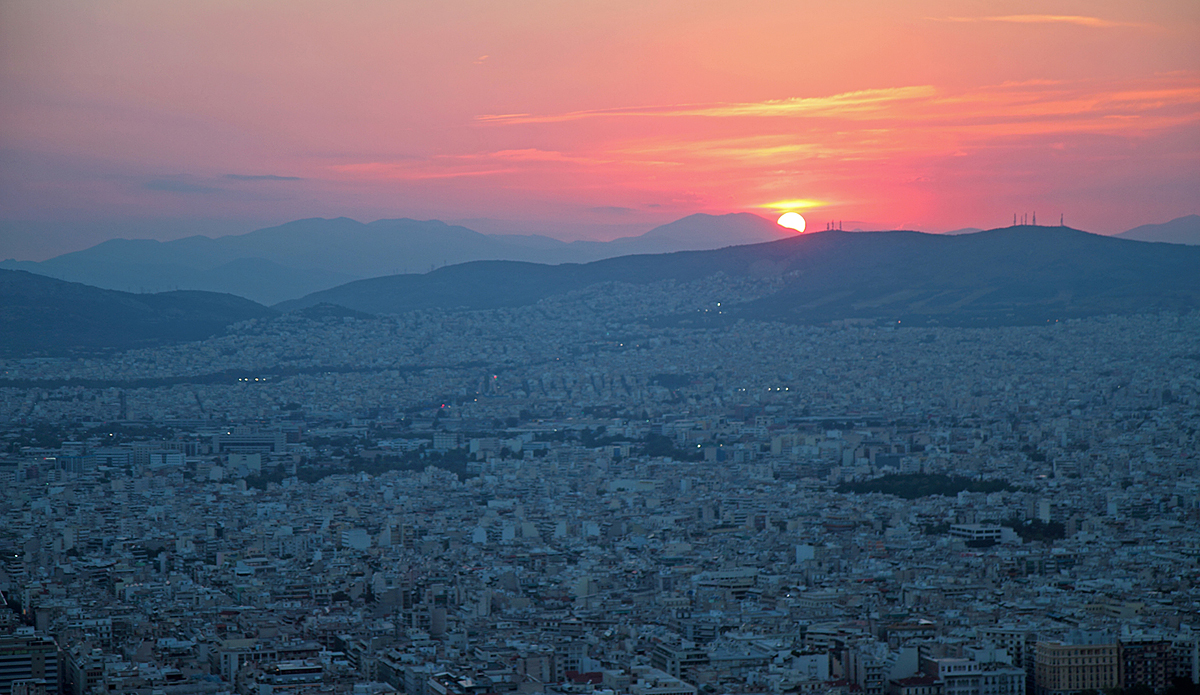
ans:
(792, 220)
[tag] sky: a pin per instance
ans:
(591, 119)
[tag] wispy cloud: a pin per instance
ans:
(261, 177)
(474, 164)
(793, 154)
(536, 155)
(754, 150)
(1013, 101)
(410, 171)
(177, 186)
(1077, 20)
(847, 104)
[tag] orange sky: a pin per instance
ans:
(597, 119)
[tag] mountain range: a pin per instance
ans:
(1009, 276)
(294, 259)
(1002, 276)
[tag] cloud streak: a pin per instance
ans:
(1083, 21)
(406, 171)
(1055, 105)
(612, 210)
(846, 104)
(824, 153)
(261, 177)
(176, 186)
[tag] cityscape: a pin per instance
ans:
(568, 498)
(544, 347)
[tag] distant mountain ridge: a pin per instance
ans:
(1009, 276)
(257, 278)
(45, 316)
(1181, 230)
(1002, 276)
(294, 259)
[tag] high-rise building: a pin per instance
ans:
(26, 656)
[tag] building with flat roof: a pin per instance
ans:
(1081, 661)
(27, 656)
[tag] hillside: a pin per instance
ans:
(44, 316)
(1003, 276)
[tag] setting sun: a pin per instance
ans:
(792, 220)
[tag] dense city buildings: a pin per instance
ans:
(572, 497)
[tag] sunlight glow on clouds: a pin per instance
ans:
(898, 114)
(808, 144)
(844, 105)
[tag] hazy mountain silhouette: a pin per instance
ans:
(42, 315)
(691, 233)
(255, 278)
(1012, 275)
(297, 258)
(1181, 230)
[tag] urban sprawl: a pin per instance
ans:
(578, 497)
